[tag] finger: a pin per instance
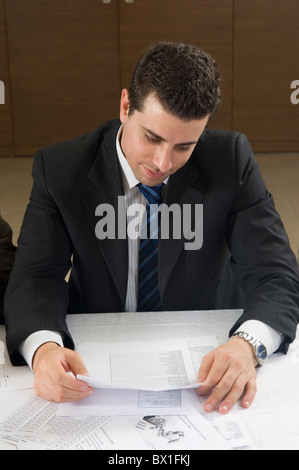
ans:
(205, 367)
(56, 393)
(70, 362)
(73, 363)
(231, 384)
(60, 387)
(249, 394)
(233, 396)
(53, 380)
(219, 392)
(70, 388)
(215, 375)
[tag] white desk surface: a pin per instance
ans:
(273, 418)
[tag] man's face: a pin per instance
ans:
(155, 143)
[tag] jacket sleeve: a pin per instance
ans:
(7, 254)
(261, 257)
(37, 293)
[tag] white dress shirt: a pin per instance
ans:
(269, 337)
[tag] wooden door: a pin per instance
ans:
(266, 63)
(6, 136)
(64, 64)
(206, 23)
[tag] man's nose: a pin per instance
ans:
(163, 159)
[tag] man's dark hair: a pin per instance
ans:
(183, 78)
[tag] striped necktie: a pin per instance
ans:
(148, 289)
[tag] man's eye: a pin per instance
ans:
(183, 149)
(151, 139)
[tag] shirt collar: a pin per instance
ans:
(129, 179)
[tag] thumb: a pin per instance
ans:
(205, 368)
(75, 364)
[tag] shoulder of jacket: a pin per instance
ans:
(213, 136)
(83, 142)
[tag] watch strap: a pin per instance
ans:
(259, 350)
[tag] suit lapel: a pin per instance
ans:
(184, 187)
(104, 186)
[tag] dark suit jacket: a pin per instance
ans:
(7, 253)
(243, 240)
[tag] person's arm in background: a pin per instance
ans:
(7, 254)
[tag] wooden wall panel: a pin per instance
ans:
(69, 60)
(266, 61)
(206, 23)
(64, 68)
(6, 136)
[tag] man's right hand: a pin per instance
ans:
(51, 366)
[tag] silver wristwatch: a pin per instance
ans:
(259, 350)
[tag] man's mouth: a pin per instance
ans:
(154, 174)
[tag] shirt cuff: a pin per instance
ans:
(264, 333)
(34, 341)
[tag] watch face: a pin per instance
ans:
(261, 352)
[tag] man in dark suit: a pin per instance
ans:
(7, 253)
(243, 260)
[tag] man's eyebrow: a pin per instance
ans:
(158, 137)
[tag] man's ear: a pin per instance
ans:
(124, 106)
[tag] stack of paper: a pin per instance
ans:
(145, 400)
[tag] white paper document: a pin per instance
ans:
(96, 384)
(136, 378)
(231, 426)
(88, 433)
(29, 422)
(13, 378)
(157, 432)
(153, 365)
(187, 432)
(154, 432)
(23, 414)
(117, 402)
(125, 418)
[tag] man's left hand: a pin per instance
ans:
(228, 372)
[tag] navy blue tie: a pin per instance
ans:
(148, 290)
